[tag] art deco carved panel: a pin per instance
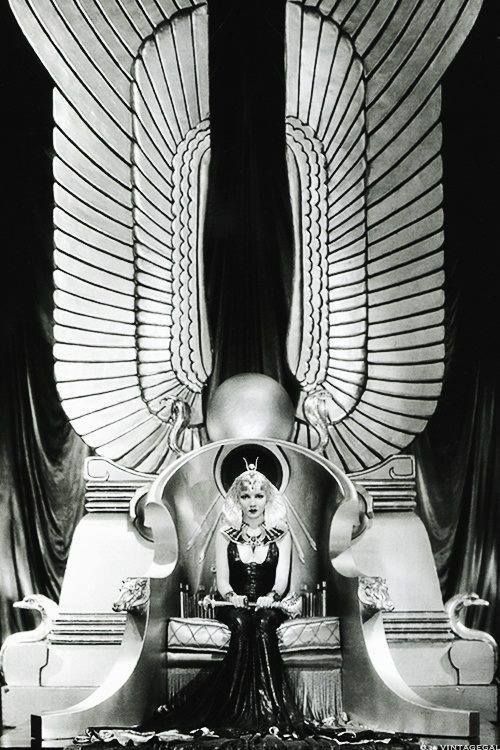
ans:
(132, 145)
(363, 119)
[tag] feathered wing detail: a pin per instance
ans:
(326, 138)
(170, 164)
(388, 356)
(113, 244)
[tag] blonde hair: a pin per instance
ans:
(275, 516)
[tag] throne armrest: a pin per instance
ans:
(194, 634)
(309, 634)
(137, 680)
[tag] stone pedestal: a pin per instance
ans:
(428, 655)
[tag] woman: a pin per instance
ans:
(248, 690)
(253, 550)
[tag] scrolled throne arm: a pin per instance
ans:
(137, 679)
(351, 518)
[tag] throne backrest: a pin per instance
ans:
(195, 498)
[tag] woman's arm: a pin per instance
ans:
(282, 572)
(283, 567)
(222, 566)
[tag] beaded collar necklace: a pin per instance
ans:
(260, 537)
(253, 537)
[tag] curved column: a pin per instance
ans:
(374, 693)
(136, 683)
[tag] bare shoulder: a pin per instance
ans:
(223, 538)
(284, 541)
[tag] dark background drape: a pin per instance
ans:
(459, 453)
(249, 233)
(249, 260)
(41, 458)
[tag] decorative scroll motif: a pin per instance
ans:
(373, 593)
(190, 179)
(390, 486)
(48, 611)
(134, 595)
(131, 120)
(110, 488)
(309, 163)
(363, 84)
(455, 607)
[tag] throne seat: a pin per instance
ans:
(204, 637)
(310, 647)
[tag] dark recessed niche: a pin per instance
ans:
(267, 463)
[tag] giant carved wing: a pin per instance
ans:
(363, 105)
(131, 145)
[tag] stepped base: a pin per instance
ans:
(19, 702)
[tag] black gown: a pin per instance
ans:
(247, 694)
(248, 690)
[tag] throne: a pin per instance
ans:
(133, 358)
(158, 537)
(310, 644)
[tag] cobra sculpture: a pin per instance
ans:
(48, 611)
(455, 607)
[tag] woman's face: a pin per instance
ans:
(252, 499)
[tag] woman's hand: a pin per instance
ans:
(265, 601)
(238, 601)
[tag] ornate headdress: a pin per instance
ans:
(275, 516)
